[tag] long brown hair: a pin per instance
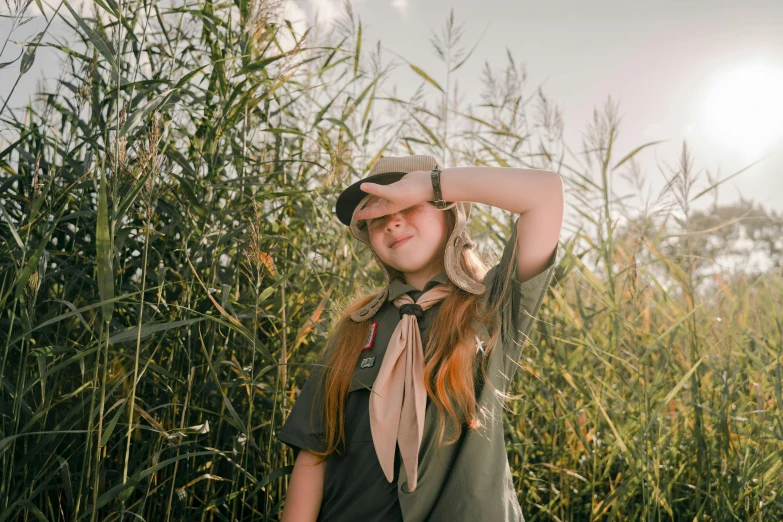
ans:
(453, 373)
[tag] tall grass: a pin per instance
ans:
(170, 265)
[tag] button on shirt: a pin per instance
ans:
(467, 480)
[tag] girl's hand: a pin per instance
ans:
(410, 190)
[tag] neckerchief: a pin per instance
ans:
(399, 396)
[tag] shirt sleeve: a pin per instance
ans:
(299, 431)
(522, 301)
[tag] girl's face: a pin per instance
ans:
(422, 229)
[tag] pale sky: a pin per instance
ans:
(709, 71)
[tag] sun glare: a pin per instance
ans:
(743, 109)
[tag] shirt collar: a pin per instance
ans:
(398, 286)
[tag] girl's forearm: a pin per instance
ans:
(513, 189)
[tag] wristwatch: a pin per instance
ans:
(438, 202)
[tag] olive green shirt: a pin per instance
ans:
(466, 480)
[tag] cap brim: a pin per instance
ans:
(351, 196)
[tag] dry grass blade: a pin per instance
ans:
(103, 244)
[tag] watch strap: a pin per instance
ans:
(438, 201)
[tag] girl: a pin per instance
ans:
(402, 417)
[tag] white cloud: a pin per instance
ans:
(84, 8)
(401, 6)
(298, 18)
(326, 10)
(296, 15)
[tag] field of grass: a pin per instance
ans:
(170, 265)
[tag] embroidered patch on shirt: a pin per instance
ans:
(370, 336)
(366, 363)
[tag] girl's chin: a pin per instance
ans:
(407, 268)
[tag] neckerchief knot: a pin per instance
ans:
(412, 308)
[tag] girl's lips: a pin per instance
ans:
(400, 242)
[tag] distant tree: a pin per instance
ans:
(740, 235)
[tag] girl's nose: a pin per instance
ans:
(394, 220)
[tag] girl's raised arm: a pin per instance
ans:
(536, 195)
(305, 489)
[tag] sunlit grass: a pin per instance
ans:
(170, 264)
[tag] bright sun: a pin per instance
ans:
(743, 109)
